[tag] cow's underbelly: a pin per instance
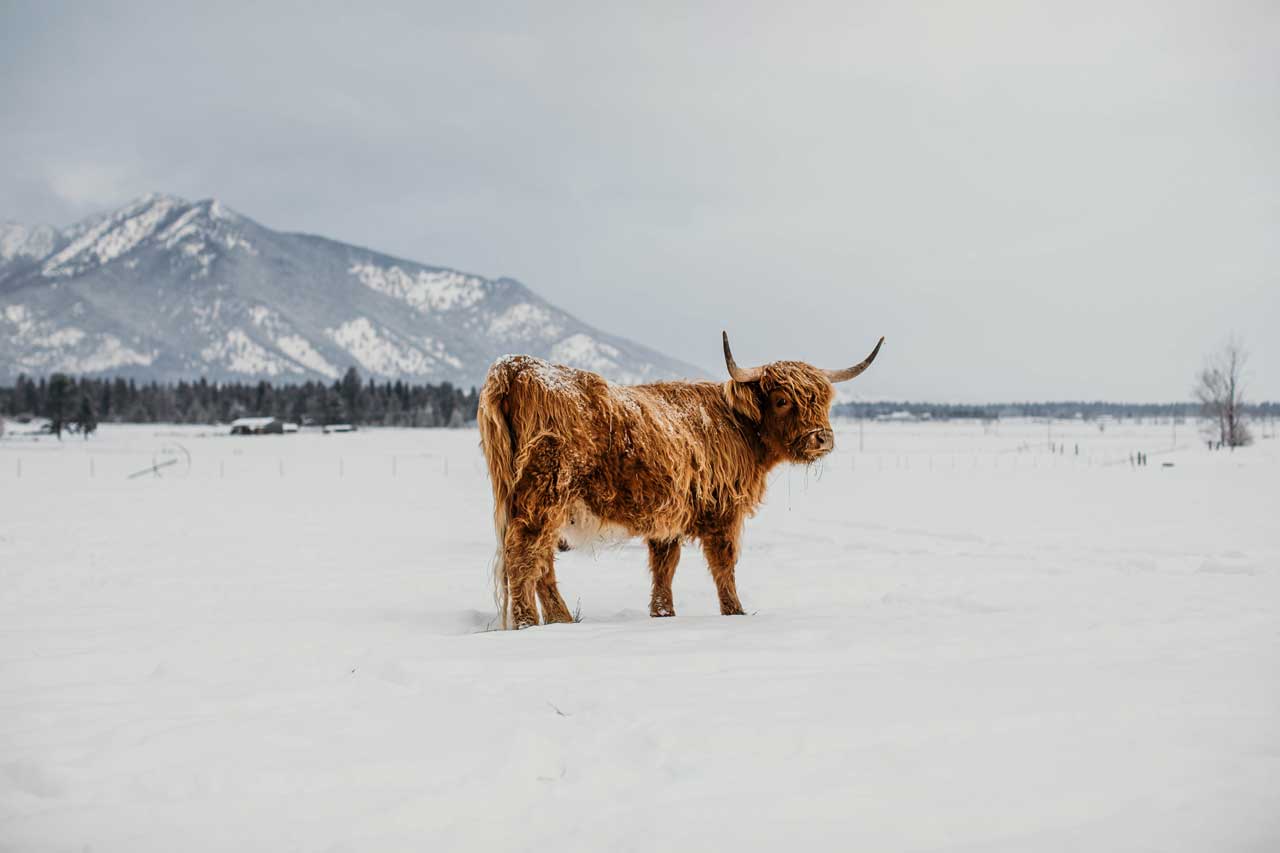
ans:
(585, 529)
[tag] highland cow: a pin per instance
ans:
(572, 456)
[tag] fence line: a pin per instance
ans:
(430, 465)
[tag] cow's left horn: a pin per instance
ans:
(739, 374)
(848, 372)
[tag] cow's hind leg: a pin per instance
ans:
(539, 508)
(663, 557)
(722, 558)
(528, 553)
(553, 606)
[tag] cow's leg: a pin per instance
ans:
(528, 553)
(553, 606)
(663, 557)
(539, 508)
(722, 556)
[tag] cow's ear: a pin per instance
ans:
(741, 397)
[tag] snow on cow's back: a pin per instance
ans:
(554, 377)
(567, 385)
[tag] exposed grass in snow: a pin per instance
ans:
(958, 644)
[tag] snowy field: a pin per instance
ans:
(958, 641)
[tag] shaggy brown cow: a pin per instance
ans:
(572, 456)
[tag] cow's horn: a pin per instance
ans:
(848, 372)
(750, 374)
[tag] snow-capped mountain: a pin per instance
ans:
(167, 289)
(20, 244)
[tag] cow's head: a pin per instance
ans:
(789, 401)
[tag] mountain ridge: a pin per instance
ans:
(165, 288)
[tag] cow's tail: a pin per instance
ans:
(496, 443)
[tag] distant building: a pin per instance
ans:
(25, 424)
(261, 426)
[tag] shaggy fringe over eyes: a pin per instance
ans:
(809, 391)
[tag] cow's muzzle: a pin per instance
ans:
(820, 442)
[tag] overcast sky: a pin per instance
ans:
(1030, 202)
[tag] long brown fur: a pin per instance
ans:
(667, 461)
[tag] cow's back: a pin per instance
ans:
(538, 397)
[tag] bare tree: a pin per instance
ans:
(1220, 390)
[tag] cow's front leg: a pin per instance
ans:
(721, 551)
(553, 606)
(663, 557)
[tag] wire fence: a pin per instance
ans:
(167, 462)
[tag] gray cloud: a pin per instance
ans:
(1031, 202)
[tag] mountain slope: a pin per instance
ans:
(167, 289)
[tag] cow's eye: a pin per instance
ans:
(781, 401)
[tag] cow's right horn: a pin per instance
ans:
(750, 374)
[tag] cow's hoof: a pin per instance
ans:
(659, 612)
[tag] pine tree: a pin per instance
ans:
(350, 389)
(59, 402)
(86, 417)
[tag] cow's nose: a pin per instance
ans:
(824, 439)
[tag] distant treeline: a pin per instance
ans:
(348, 400)
(351, 400)
(1068, 409)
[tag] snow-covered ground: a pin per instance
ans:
(958, 642)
